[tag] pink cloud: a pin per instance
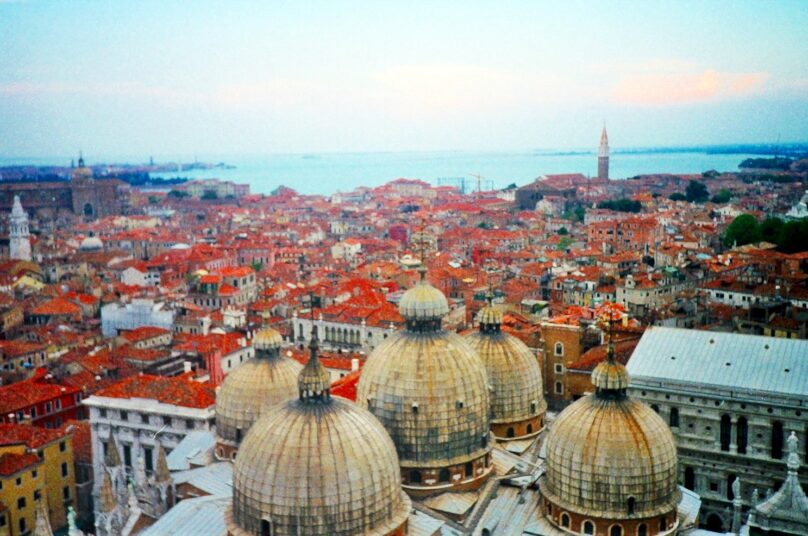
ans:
(686, 88)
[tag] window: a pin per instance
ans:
(166, 420)
(19, 481)
(469, 469)
(2, 521)
(127, 455)
(630, 504)
(777, 440)
(713, 486)
(21, 503)
(589, 527)
(415, 477)
(48, 407)
(559, 389)
(673, 420)
(444, 475)
(148, 458)
(616, 530)
(189, 424)
(565, 520)
(103, 413)
(37, 495)
(730, 493)
(64, 469)
(559, 368)
(743, 434)
(510, 432)
(23, 527)
(58, 403)
(529, 428)
(559, 349)
(124, 416)
(265, 528)
(66, 493)
(144, 418)
(655, 408)
(62, 446)
(642, 530)
(726, 432)
(690, 479)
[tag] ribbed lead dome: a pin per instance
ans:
(423, 301)
(261, 382)
(429, 390)
(611, 457)
(517, 392)
(319, 466)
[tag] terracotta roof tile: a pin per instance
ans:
(179, 391)
(14, 463)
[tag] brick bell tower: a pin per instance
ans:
(603, 155)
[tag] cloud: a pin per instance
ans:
(676, 88)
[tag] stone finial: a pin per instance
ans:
(161, 472)
(793, 461)
(107, 496)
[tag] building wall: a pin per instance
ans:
(714, 464)
(562, 347)
(60, 479)
(30, 486)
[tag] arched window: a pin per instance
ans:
(559, 388)
(726, 432)
(559, 349)
(743, 434)
(266, 528)
(444, 475)
(510, 432)
(730, 493)
(565, 521)
(616, 530)
(529, 428)
(777, 440)
(663, 524)
(690, 479)
(589, 527)
(415, 477)
(469, 469)
(673, 420)
(630, 504)
(642, 530)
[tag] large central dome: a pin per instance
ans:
(429, 390)
(319, 466)
(611, 460)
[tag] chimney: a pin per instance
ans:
(186, 366)
(354, 364)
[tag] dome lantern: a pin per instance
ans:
(314, 382)
(423, 306)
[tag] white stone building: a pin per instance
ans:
(731, 401)
(116, 317)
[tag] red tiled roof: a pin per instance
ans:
(11, 463)
(57, 306)
(144, 333)
(21, 395)
(33, 436)
(179, 391)
(346, 386)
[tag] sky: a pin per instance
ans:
(246, 78)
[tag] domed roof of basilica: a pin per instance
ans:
(609, 456)
(517, 391)
(91, 243)
(317, 465)
(261, 382)
(428, 387)
(423, 301)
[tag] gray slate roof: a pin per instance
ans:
(725, 360)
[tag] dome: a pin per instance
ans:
(267, 339)
(611, 458)
(263, 381)
(517, 391)
(423, 302)
(319, 466)
(91, 243)
(429, 390)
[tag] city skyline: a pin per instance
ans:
(348, 77)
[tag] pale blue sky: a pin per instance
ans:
(204, 78)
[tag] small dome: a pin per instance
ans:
(91, 243)
(611, 457)
(489, 315)
(517, 391)
(261, 382)
(267, 339)
(423, 302)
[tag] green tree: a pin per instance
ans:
(770, 230)
(794, 236)
(565, 242)
(209, 194)
(743, 230)
(722, 197)
(153, 200)
(696, 192)
(677, 196)
(563, 231)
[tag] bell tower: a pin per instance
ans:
(603, 155)
(19, 235)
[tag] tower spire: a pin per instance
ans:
(314, 382)
(603, 154)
